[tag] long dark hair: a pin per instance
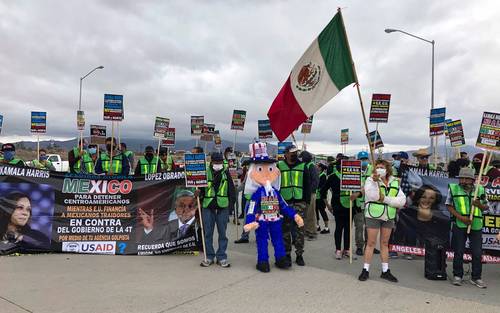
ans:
(420, 192)
(7, 208)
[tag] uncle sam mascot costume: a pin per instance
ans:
(266, 207)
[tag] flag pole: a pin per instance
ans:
(304, 141)
(110, 171)
(294, 140)
(357, 88)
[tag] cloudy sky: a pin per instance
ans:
(182, 58)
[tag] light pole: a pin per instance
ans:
(81, 80)
(432, 42)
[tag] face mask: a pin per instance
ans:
(217, 167)
(43, 158)
(294, 158)
(108, 147)
(9, 155)
(364, 164)
(396, 163)
(381, 171)
(149, 156)
(92, 150)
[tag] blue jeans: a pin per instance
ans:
(211, 218)
(458, 239)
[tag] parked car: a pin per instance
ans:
(59, 164)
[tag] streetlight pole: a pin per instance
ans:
(81, 80)
(432, 42)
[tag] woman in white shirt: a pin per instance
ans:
(383, 196)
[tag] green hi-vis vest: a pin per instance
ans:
(148, 167)
(377, 209)
(167, 165)
(88, 164)
(37, 164)
(292, 181)
(128, 153)
(221, 194)
(12, 162)
(77, 167)
(318, 191)
(486, 169)
(344, 195)
(117, 163)
(462, 202)
(360, 201)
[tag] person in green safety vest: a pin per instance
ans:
(320, 200)
(422, 156)
(128, 154)
(165, 163)
(89, 159)
(296, 190)
(476, 165)
(118, 166)
(148, 163)
(9, 155)
(217, 199)
(359, 204)
(460, 202)
(75, 157)
(310, 222)
(383, 197)
(43, 163)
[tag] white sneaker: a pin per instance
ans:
(338, 254)
(457, 281)
(478, 283)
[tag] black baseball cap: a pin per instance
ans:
(8, 147)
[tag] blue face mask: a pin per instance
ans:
(92, 150)
(364, 164)
(43, 158)
(396, 163)
(9, 155)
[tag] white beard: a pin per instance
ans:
(269, 188)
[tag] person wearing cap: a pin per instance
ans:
(422, 156)
(89, 159)
(296, 190)
(148, 163)
(165, 163)
(459, 202)
(43, 162)
(320, 199)
(217, 199)
(118, 166)
(311, 221)
(75, 157)
(9, 155)
(127, 154)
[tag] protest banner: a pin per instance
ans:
(489, 132)
(420, 223)
(265, 131)
(455, 133)
(307, 125)
(97, 134)
(1, 123)
(344, 136)
(207, 133)
(350, 181)
(281, 148)
(375, 140)
(161, 127)
(238, 121)
(379, 110)
(98, 214)
(113, 107)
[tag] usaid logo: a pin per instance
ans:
(96, 247)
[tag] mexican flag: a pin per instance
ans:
(325, 68)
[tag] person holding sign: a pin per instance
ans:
(165, 163)
(75, 156)
(119, 165)
(89, 160)
(383, 196)
(43, 163)
(459, 201)
(148, 163)
(9, 155)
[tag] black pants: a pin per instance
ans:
(342, 226)
(321, 209)
(458, 239)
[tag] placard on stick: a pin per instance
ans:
(378, 143)
(351, 175)
(208, 132)
(436, 125)
(307, 125)
(38, 122)
(489, 132)
(455, 133)
(169, 138)
(113, 107)
(238, 121)
(161, 127)
(80, 120)
(265, 131)
(282, 146)
(217, 140)
(197, 122)
(196, 170)
(379, 110)
(344, 136)
(97, 134)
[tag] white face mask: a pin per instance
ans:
(218, 167)
(382, 172)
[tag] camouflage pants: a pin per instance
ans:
(300, 208)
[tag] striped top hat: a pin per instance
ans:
(258, 153)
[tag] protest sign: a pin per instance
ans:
(1, 123)
(376, 140)
(446, 126)
(197, 122)
(97, 134)
(232, 165)
(351, 175)
(238, 121)
(113, 107)
(38, 122)
(417, 225)
(80, 120)
(436, 125)
(207, 132)
(161, 127)
(455, 133)
(307, 125)
(169, 138)
(344, 136)
(100, 214)
(281, 148)
(489, 132)
(195, 167)
(379, 110)
(265, 131)
(217, 140)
